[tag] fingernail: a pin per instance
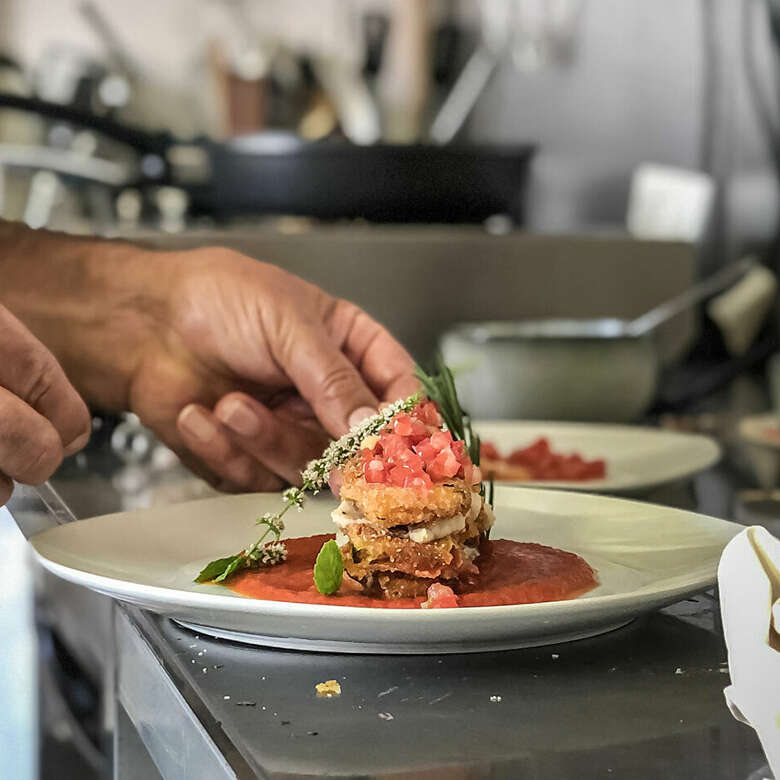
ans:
(77, 444)
(359, 415)
(195, 422)
(239, 418)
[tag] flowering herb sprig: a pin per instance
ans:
(314, 477)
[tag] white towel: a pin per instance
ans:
(749, 580)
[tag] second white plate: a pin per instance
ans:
(637, 458)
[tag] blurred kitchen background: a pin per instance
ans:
(440, 162)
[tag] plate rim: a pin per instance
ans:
(233, 603)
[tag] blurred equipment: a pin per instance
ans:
(669, 204)
(595, 370)
(279, 173)
(535, 33)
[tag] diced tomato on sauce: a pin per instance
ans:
(440, 597)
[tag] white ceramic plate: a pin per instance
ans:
(647, 556)
(637, 458)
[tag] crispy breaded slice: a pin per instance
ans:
(371, 557)
(388, 505)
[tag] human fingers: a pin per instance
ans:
(210, 441)
(6, 488)
(30, 447)
(29, 371)
(324, 376)
(275, 439)
(386, 367)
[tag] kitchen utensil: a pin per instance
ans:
(282, 173)
(637, 458)
(592, 370)
(646, 556)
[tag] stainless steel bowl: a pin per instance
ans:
(553, 369)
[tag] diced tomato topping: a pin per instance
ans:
(428, 413)
(459, 448)
(440, 597)
(375, 471)
(410, 459)
(404, 476)
(393, 446)
(441, 440)
(411, 427)
(426, 450)
(444, 466)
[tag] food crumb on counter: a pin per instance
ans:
(388, 691)
(555, 656)
(246, 704)
(495, 699)
(678, 670)
(226, 698)
(328, 689)
(386, 715)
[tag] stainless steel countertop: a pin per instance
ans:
(645, 701)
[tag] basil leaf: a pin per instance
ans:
(328, 568)
(214, 569)
(238, 561)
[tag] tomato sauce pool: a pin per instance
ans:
(510, 573)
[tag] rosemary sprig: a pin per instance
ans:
(314, 478)
(440, 387)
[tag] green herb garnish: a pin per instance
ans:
(440, 387)
(314, 478)
(328, 568)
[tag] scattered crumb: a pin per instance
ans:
(226, 698)
(328, 689)
(386, 716)
(218, 666)
(495, 699)
(678, 670)
(312, 733)
(204, 670)
(385, 693)
(200, 653)
(724, 671)
(555, 656)
(246, 704)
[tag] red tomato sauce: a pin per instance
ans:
(510, 573)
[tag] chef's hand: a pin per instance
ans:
(42, 417)
(250, 369)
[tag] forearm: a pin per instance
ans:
(91, 301)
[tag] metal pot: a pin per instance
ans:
(553, 369)
(600, 369)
